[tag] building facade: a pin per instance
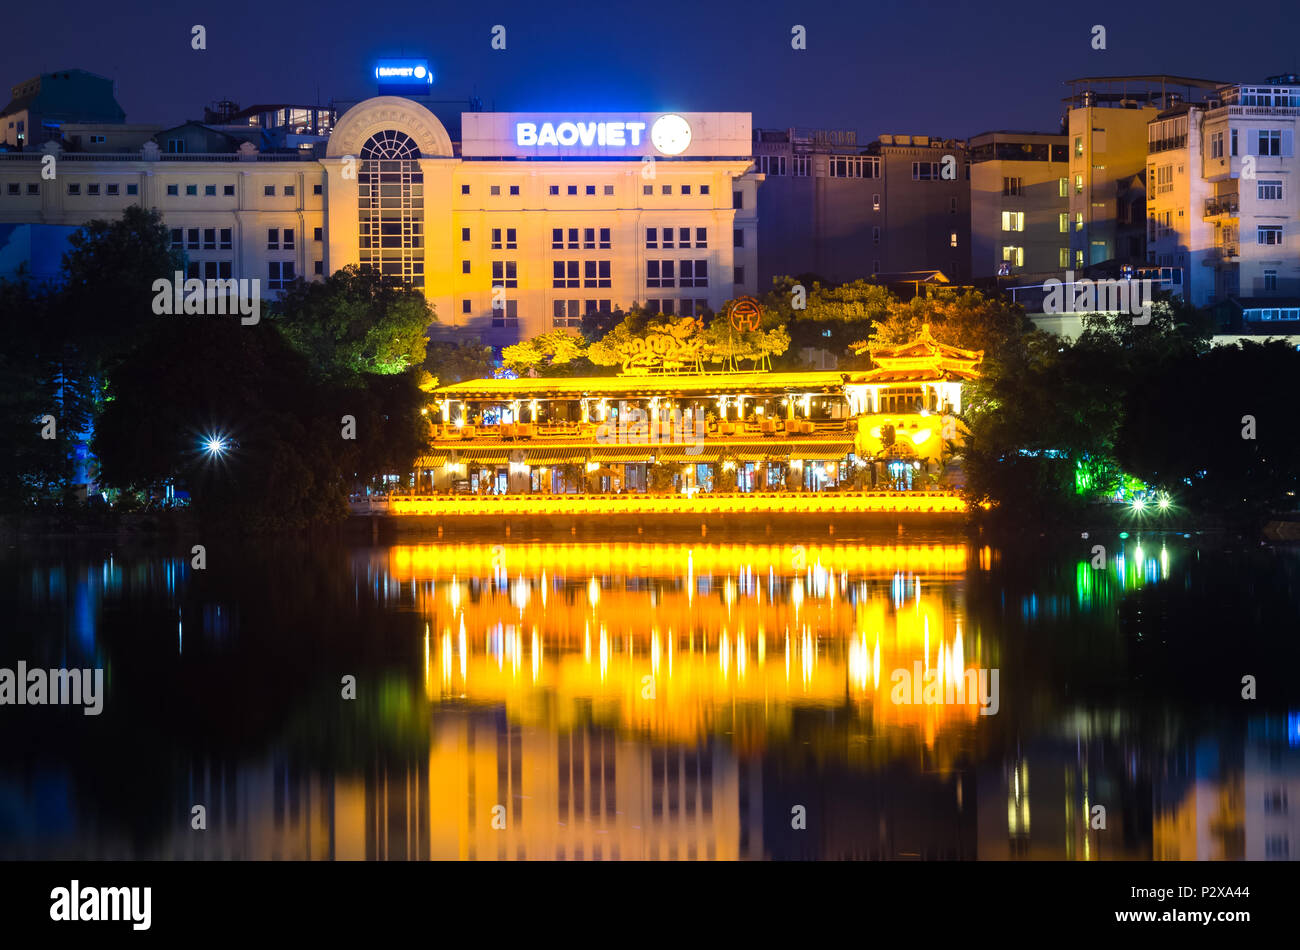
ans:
(843, 212)
(1019, 204)
(1224, 206)
(507, 235)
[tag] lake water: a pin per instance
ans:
(630, 697)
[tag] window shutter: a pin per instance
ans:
(1288, 142)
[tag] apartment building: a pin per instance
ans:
(833, 208)
(1223, 201)
(1019, 203)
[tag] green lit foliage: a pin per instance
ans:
(356, 322)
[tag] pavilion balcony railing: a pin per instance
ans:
(666, 430)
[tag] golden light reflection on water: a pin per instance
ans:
(676, 642)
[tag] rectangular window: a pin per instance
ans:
(1233, 134)
(1078, 145)
(1011, 186)
(1216, 145)
(209, 239)
(661, 273)
(112, 189)
(289, 191)
(687, 269)
(1269, 234)
(466, 307)
(1063, 258)
(952, 205)
(287, 241)
(130, 189)
(172, 190)
(686, 189)
(1064, 221)
(318, 234)
(494, 189)
(738, 275)
(1064, 188)
(604, 242)
(572, 189)
(1014, 255)
(1078, 184)
(652, 238)
(952, 238)
(320, 267)
(875, 235)
(178, 237)
(609, 190)
(701, 237)
(1268, 141)
(704, 189)
(1269, 190)
(507, 316)
(1270, 280)
(589, 239)
(464, 189)
(564, 313)
(554, 189)
(225, 238)
(564, 274)
(12, 188)
(1013, 220)
(192, 239)
(666, 189)
(268, 191)
(596, 274)
(875, 202)
(514, 190)
(315, 189)
(272, 239)
(505, 274)
(925, 171)
(737, 200)
(464, 267)
(591, 189)
(737, 238)
(228, 190)
(279, 275)
(647, 189)
(1078, 221)
(464, 234)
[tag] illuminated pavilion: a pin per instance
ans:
(886, 429)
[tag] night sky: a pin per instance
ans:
(936, 67)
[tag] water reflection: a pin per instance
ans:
(658, 701)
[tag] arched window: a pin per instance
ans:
(390, 207)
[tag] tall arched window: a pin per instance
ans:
(390, 205)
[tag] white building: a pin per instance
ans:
(528, 222)
(1223, 196)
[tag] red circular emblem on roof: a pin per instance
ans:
(744, 314)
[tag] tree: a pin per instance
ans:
(553, 353)
(832, 316)
(967, 319)
(641, 342)
(285, 465)
(106, 301)
(456, 362)
(356, 321)
(661, 478)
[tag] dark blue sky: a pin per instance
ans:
(935, 67)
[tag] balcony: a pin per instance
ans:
(1222, 205)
